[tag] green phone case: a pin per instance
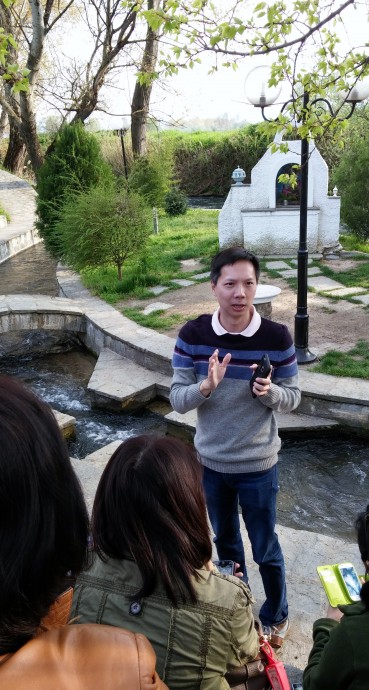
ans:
(333, 585)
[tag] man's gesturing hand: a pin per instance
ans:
(216, 371)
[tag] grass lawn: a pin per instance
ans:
(354, 363)
(191, 236)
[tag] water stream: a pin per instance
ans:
(61, 381)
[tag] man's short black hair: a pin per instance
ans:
(230, 256)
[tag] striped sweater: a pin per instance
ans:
(235, 432)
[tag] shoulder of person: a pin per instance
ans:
(116, 657)
(230, 588)
(279, 331)
(196, 326)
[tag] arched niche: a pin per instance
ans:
(285, 195)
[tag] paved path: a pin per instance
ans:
(18, 198)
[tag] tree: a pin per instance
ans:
(233, 33)
(103, 226)
(18, 97)
(152, 175)
(353, 185)
(142, 93)
(114, 29)
(75, 165)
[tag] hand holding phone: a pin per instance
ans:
(225, 567)
(262, 371)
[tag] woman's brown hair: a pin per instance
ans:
(150, 506)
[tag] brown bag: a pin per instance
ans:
(251, 676)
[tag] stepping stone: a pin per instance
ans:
(364, 299)
(121, 385)
(156, 306)
(182, 282)
(189, 264)
(291, 273)
(276, 265)
(323, 284)
(157, 289)
(346, 291)
(200, 276)
(101, 456)
(295, 262)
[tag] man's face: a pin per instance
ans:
(235, 292)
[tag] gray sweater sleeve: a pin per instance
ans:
(284, 395)
(185, 394)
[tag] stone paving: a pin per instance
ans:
(319, 282)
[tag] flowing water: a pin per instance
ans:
(324, 482)
(61, 381)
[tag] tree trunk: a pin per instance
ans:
(142, 93)
(3, 122)
(29, 131)
(16, 152)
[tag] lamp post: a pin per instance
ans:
(262, 97)
(121, 133)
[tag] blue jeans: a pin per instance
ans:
(256, 492)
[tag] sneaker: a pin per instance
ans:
(276, 633)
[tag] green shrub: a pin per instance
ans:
(74, 165)
(175, 202)
(353, 186)
(151, 176)
(204, 161)
(102, 226)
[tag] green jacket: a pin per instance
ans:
(339, 659)
(195, 644)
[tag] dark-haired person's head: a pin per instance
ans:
(150, 507)
(230, 256)
(43, 518)
(362, 529)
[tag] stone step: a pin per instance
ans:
(120, 384)
(66, 423)
(288, 422)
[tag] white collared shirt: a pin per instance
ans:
(250, 330)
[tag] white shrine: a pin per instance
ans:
(264, 216)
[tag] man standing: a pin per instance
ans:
(236, 433)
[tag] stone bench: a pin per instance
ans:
(264, 296)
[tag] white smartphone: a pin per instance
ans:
(351, 580)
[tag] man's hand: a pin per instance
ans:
(261, 386)
(216, 371)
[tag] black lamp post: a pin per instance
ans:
(121, 132)
(266, 98)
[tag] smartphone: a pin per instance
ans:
(351, 580)
(225, 567)
(262, 371)
(333, 585)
